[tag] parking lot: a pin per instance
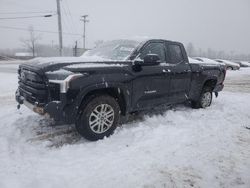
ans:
(181, 147)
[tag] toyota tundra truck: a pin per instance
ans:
(113, 80)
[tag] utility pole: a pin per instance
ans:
(84, 19)
(75, 49)
(59, 27)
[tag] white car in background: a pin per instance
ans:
(229, 64)
(207, 61)
(243, 63)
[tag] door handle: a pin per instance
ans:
(166, 70)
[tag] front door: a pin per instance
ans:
(151, 83)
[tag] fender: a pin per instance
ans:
(73, 108)
(210, 78)
(198, 83)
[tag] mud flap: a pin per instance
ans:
(54, 109)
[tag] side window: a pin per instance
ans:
(199, 59)
(154, 48)
(175, 54)
(219, 61)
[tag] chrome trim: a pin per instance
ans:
(150, 92)
(34, 108)
(28, 105)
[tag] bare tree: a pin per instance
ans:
(98, 43)
(190, 49)
(31, 42)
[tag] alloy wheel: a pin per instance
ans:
(101, 118)
(206, 99)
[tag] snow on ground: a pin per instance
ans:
(238, 81)
(182, 147)
(10, 68)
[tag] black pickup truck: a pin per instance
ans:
(113, 80)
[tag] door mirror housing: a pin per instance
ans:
(149, 60)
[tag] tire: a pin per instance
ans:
(205, 99)
(99, 118)
(230, 68)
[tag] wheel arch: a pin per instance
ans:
(211, 82)
(112, 90)
(230, 67)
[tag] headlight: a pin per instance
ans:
(64, 80)
(58, 75)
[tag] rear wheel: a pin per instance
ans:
(205, 99)
(230, 68)
(99, 118)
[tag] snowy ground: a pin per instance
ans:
(182, 147)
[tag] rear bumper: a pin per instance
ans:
(218, 88)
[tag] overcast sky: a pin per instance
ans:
(217, 24)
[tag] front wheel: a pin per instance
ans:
(99, 118)
(205, 99)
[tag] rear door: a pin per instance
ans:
(180, 71)
(151, 83)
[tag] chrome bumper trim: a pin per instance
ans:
(34, 108)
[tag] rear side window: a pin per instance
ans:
(219, 61)
(199, 59)
(175, 54)
(154, 48)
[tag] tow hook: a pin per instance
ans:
(216, 94)
(19, 99)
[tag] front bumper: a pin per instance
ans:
(53, 109)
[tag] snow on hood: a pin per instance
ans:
(54, 60)
(93, 65)
(60, 71)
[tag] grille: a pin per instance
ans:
(32, 87)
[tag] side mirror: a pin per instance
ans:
(151, 60)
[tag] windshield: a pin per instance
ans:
(113, 50)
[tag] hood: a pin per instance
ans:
(42, 65)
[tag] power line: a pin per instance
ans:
(39, 12)
(66, 21)
(41, 31)
(68, 18)
(72, 20)
(25, 17)
(65, 26)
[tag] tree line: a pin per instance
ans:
(31, 44)
(214, 54)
